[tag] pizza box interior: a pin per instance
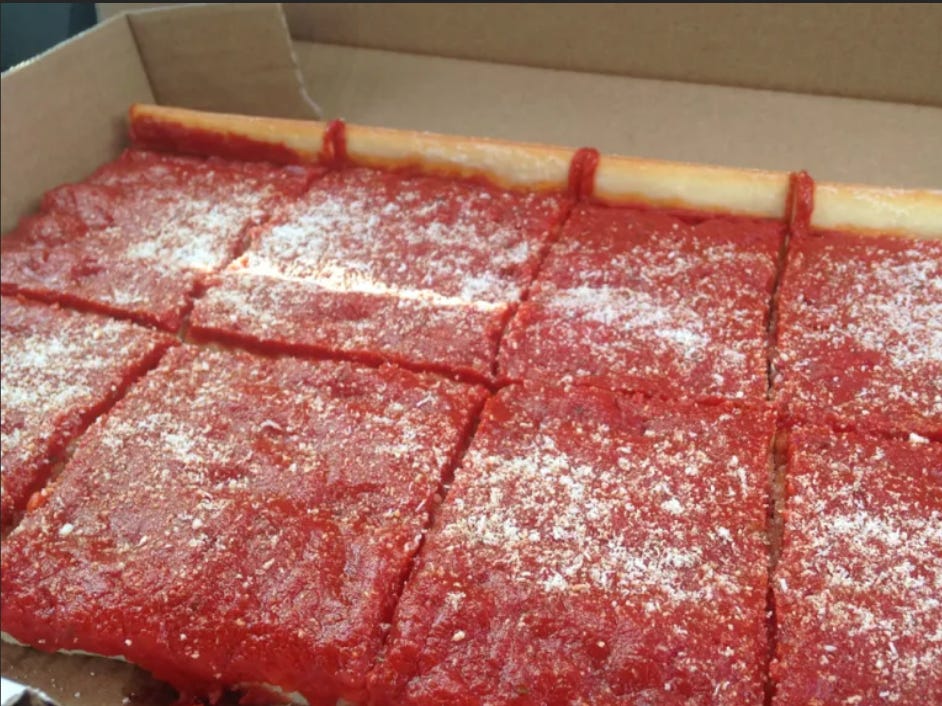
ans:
(781, 88)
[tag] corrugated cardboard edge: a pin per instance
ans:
(617, 179)
(316, 110)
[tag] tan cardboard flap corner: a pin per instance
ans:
(228, 58)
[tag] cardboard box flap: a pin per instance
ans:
(63, 114)
(836, 139)
(229, 58)
(883, 52)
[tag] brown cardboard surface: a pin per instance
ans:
(62, 114)
(837, 139)
(83, 681)
(879, 51)
(248, 67)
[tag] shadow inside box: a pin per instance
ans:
(82, 680)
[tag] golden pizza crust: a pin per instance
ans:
(878, 210)
(694, 186)
(508, 164)
(617, 179)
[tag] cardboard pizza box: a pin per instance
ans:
(848, 93)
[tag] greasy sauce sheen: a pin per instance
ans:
(593, 549)
(252, 522)
(860, 333)
(414, 269)
(643, 301)
(138, 237)
(239, 520)
(860, 579)
(60, 370)
(160, 134)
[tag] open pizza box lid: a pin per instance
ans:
(782, 88)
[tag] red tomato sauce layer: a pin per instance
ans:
(593, 549)
(138, 236)
(237, 521)
(60, 370)
(860, 333)
(639, 300)
(385, 266)
(857, 586)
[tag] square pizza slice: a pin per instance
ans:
(859, 582)
(239, 522)
(61, 369)
(138, 236)
(641, 300)
(593, 549)
(382, 265)
(860, 333)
